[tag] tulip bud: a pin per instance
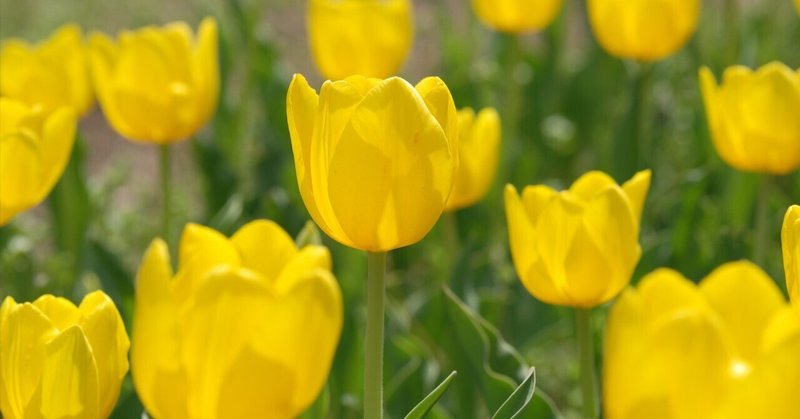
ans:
(790, 238)
(34, 150)
(516, 16)
(51, 74)
(61, 361)
(754, 117)
(478, 152)
(724, 349)
(643, 29)
(246, 328)
(374, 158)
(157, 85)
(577, 247)
(371, 38)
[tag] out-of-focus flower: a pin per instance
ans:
(478, 151)
(725, 349)
(643, 29)
(516, 16)
(790, 237)
(577, 247)
(61, 361)
(34, 150)
(371, 38)
(797, 5)
(753, 117)
(375, 159)
(246, 328)
(51, 74)
(157, 85)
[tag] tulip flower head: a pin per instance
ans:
(754, 117)
(643, 30)
(51, 74)
(517, 16)
(478, 152)
(374, 158)
(34, 150)
(790, 238)
(577, 247)
(246, 328)
(724, 349)
(157, 85)
(61, 361)
(367, 37)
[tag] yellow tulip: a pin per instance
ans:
(644, 30)
(726, 349)
(157, 85)
(478, 152)
(61, 361)
(577, 247)
(375, 159)
(753, 117)
(516, 16)
(790, 236)
(246, 328)
(367, 37)
(51, 74)
(797, 4)
(34, 150)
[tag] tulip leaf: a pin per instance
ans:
(425, 406)
(516, 403)
(309, 235)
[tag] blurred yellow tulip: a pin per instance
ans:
(516, 16)
(61, 361)
(371, 38)
(726, 349)
(51, 74)
(790, 236)
(797, 5)
(246, 328)
(754, 117)
(34, 150)
(644, 30)
(478, 152)
(577, 247)
(157, 85)
(375, 159)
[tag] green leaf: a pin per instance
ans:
(308, 235)
(516, 403)
(425, 406)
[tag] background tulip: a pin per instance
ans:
(724, 349)
(753, 117)
(51, 74)
(516, 16)
(790, 236)
(478, 151)
(247, 327)
(58, 360)
(155, 84)
(374, 158)
(577, 247)
(34, 149)
(643, 29)
(367, 37)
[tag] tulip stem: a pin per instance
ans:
(164, 152)
(633, 152)
(583, 317)
(761, 233)
(373, 353)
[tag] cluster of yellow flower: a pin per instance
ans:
(377, 162)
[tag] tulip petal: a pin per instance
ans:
(440, 103)
(21, 170)
(746, 298)
(636, 190)
(665, 291)
(58, 136)
(23, 338)
(201, 250)
(69, 385)
(783, 326)
(105, 332)
(790, 238)
(156, 366)
(61, 312)
(206, 68)
(591, 184)
(622, 347)
(308, 258)
(264, 247)
(391, 171)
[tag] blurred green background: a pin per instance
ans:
(573, 107)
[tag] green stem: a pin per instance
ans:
(731, 24)
(583, 317)
(166, 171)
(373, 353)
(761, 233)
(512, 107)
(634, 151)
